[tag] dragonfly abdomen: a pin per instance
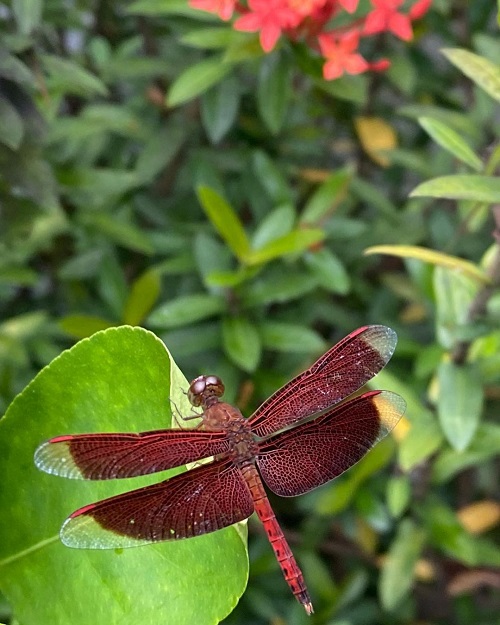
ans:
(291, 571)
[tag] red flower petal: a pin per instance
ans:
(349, 41)
(419, 9)
(269, 35)
(355, 64)
(380, 66)
(374, 23)
(248, 23)
(332, 69)
(327, 45)
(400, 25)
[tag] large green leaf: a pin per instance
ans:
(122, 379)
(483, 72)
(329, 270)
(82, 326)
(125, 234)
(448, 535)
(290, 337)
(143, 294)
(274, 225)
(424, 436)
(350, 88)
(27, 14)
(450, 140)
(398, 494)
(225, 220)
(277, 286)
(11, 125)
(160, 150)
(327, 196)
(291, 243)
(211, 38)
(458, 265)
(484, 445)
(461, 187)
(241, 342)
(460, 121)
(69, 77)
(274, 90)
(219, 108)
(454, 294)
(186, 309)
(196, 80)
(399, 566)
(271, 178)
(460, 402)
(423, 439)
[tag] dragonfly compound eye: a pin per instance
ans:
(203, 387)
(214, 385)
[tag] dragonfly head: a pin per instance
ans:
(205, 390)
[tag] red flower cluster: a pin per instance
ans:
(309, 21)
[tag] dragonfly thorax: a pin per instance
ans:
(226, 418)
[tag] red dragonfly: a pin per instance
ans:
(299, 438)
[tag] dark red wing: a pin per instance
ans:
(298, 460)
(337, 374)
(197, 502)
(110, 456)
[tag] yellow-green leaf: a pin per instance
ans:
(82, 326)
(450, 140)
(327, 196)
(431, 256)
(70, 77)
(376, 137)
(142, 297)
(296, 241)
(225, 221)
(196, 80)
(482, 71)
(461, 187)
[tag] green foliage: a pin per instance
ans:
(158, 170)
(398, 570)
